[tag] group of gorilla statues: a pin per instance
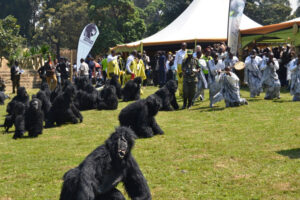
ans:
(98, 175)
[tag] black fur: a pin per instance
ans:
(3, 97)
(19, 119)
(46, 103)
(87, 99)
(166, 96)
(140, 117)
(108, 99)
(98, 175)
(21, 96)
(45, 88)
(115, 82)
(63, 109)
(131, 90)
(34, 118)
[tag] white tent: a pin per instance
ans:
(202, 21)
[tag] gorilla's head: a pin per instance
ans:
(89, 88)
(138, 81)
(111, 90)
(114, 80)
(44, 86)
(21, 92)
(120, 143)
(70, 91)
(35, 104)
(153, 105)
(90, 31)
(171, 86)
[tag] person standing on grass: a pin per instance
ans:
(253, 74)
(215, 67)
(190, 65)
(131, 66)
(270, 81)
(180, 55)
(50, 74)
(202, 83)
(162, 68)
(112, 65)
(15, 75)
(294, 68)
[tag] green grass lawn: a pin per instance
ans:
(249, 152)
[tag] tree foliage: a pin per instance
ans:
(268, 12)
(119, 21)
(10, 39)
(61, 23)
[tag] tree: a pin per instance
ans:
(61, 25)
(10, 39)
(119, 21)
(268, 12)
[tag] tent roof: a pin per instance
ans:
(270, 28)
(196, 23)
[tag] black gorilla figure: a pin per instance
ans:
(34, 118)
(140, 117)
(45, 100)
(63, 109)
(98, 175)
(45, 88)
(131, 90)
(166, 96)
(21, 96)
(108, 99)
(87, 99)
(115, 82)
(18, 118)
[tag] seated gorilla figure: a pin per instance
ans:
(45, 88)
(115, 82)
(19, 119)
(131, 90)
(87, 99)
(63, 109)
(108, 99)
(140, 117)
(34, 118)
(21, 96)
(46, 104)
(81, 82)
(166, 96)
(57, 91)
(98, 175)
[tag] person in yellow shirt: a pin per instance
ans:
(141, 67)
(112, 65)
(180, 55)
(131, 67)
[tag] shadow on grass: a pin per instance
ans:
(209, 109)
(254, 100)
(282, 101)
(291, 153)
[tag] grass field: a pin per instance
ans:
(249, 152)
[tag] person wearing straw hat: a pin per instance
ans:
(190, 67)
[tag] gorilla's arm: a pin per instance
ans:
(155, 127)
(174, 102)
(76, 112)
(137, 92)
(135, 182)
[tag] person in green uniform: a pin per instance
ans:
(190, 66)
(104, 67)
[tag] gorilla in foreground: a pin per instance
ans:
(34, 118)
(131, 90)
(63, 109)
(98, 175)
(166, 96)
(140, 117)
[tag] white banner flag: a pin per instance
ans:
(235, 17)
(86, 42)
